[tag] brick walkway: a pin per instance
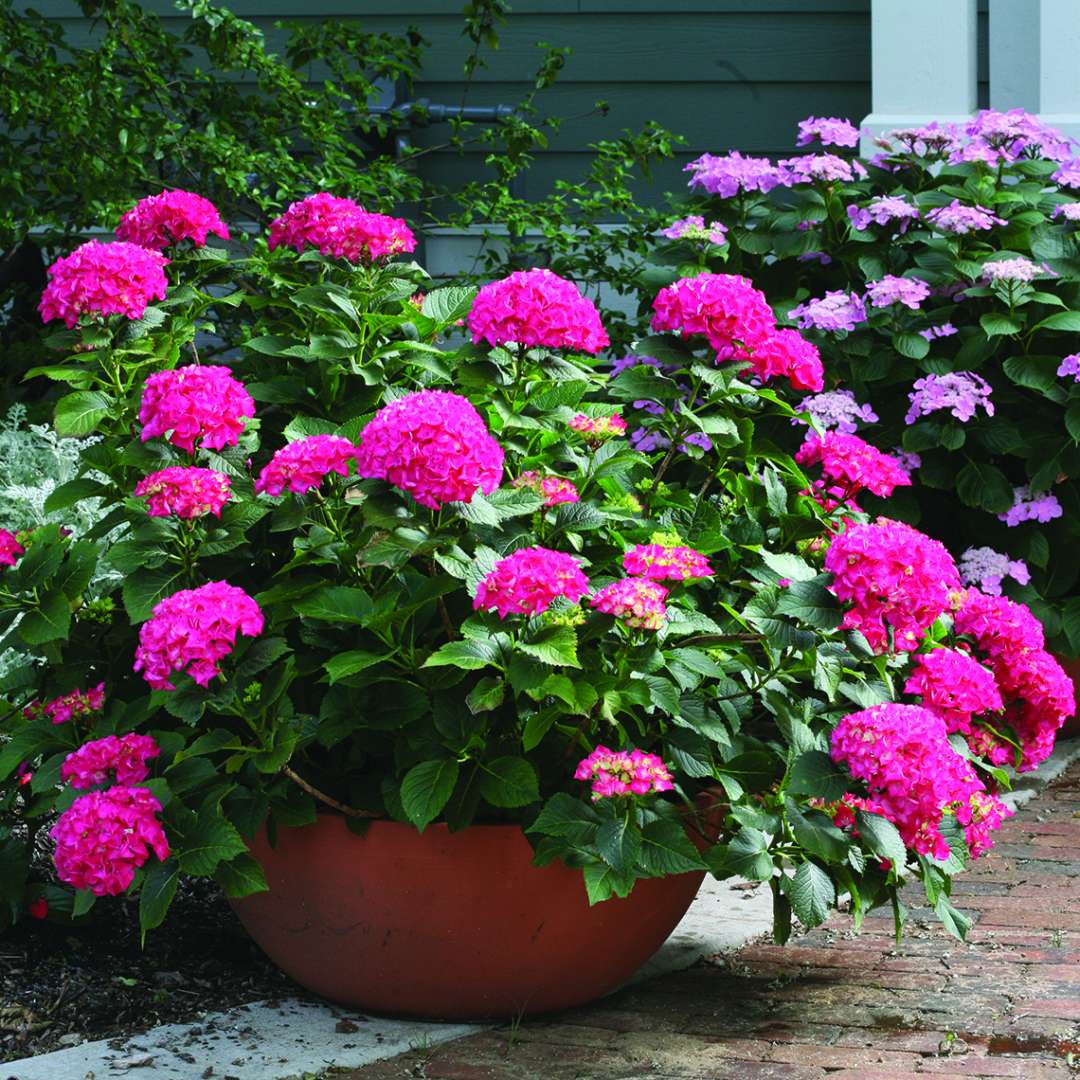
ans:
(838, 1006)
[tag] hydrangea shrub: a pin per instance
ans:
(355, 561)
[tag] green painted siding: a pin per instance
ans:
(723, 73)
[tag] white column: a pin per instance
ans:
(1034, 53)
(922, 63)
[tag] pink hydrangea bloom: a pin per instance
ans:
(103, 279)
(733, 316)
(1071, 364)
(301, 465)
(432, 444)
(954, 686)
(183, 492)
(836, 310)
(536, 307)
(729, 174)
(597, 429)
(843, 810)
(124, 756)
(826, 167)
(340, 229)
(961, 392)
(849, 465)
(788, 353)
(528, 581)
(902, 754)
(831, 130)
(76, 704)
(623, 772)
(890, 289)
(987, 568)
(999, 626)
(160, 220)
(836, 410)
(637, 602)
(961, 219)
(104, 837)
(883, 211)
(192, 630)
(893, 577)
(663, 562)
(1028, 506)
(695, 227)
(189, 404)
(10, 548)
(552, 489)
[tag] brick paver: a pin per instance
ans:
(834, 1005)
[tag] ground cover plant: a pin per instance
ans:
(939, 277)
(424, 554)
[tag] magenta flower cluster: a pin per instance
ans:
(160, 220)
(662, 562)
(529, 581)
(954, 686)
(849, 466)
(902, 754)
(552, 489)
(193, 404)
(895, 579)
(341, 229)
(536, 307)
(961, 392)
(71, 706)
(623, 772)
(638, 602)
(10, 548)
(191, 630)
(103, 279)
(184, 492)
(302, 465)
(124, 756)
(105, 836)
(432, 444)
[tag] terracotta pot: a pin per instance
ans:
(1071, 728)
(448, 926)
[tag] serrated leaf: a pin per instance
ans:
(241, 877)
(157, 892)
(814, 773)
(426, 790)
(207, 841)
(666, 849)
(469, 655)
(337, 603)
(810, 602)
(74, 491)
(984, 486)
(49, 621)
(789, 566)
(811, 893)
(619, 843)
(882, 837)
(567, 817)
(142, 591)
(554, 645)
(995, 324)
(80, 413)
(350, 663)
(509, 782)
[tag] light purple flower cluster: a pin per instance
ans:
(881, 211)
(695, 227)
(1028, 506)
(1069, 211)
(942, 330)
(930, 140)
(1003, 137)
(831, 130)
(890, 289)
(1018, 269)
(960, 219)
(728, 174)
(961, 392)
(836, 410)
(826, 167)
(908, 460)
(986, 568)
(836, 310)
(1068, 174)
(1070, 366)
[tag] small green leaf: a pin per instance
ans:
(49, 621)
(469, 655)
(337, 603)
(815, 773)
(157, 892)
(811, 893)
(985, 487)
(427, 788)
(881, 837)
(80, 413)
(619, 843)
(995, 324)
(509, 782)
(241, 877)
(350, 663)
(554, 645)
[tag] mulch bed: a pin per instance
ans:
(61, 984)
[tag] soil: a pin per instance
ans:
(61, 985)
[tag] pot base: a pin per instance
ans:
(448, 926)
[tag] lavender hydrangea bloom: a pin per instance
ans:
(1018, 269)
(890, 289)
(630, 361)
(836, 410)
(908, 460)
(729, 174)
(827, 167)
(930, 140)
(1068, 175)
(649, 440)
(695, 227)
(1070, 366)
(985, 567)
(1029, 507)
(961, 219)
(943, 330)
(836, 310)
(1002, 137)
(831, 130)
(961, 392)
(881, 211)
(1069, 211)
